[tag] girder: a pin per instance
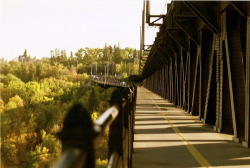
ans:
(200, 62)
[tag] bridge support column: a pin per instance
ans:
(219, 82)
(206, 51)
(236, 74)
(210, 102)
(185, 80)
(193, 67)
(246, 143)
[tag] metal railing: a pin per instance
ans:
(79, 133)
(110, 81)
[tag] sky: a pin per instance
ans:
(42, 26)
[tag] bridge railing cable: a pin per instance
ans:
(79, 132)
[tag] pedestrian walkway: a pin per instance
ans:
(166, 136)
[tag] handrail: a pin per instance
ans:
(108, 81)
(106, 118)
(79, 132)
(71, 158)
(114, 160)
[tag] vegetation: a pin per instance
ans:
(37, 93)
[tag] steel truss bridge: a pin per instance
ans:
(200, 61)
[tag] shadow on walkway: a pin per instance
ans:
(166, 136)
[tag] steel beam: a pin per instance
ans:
(200, 59)
(185, 79)
(192, 68)
(189, 25)
(181, 79)
(196, 79)
(180, 37)
(210, 102)
(207, 12)
(206, 51)
(246, 142)
(236, 74)
(226, 105)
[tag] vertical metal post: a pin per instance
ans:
(210, 102)
(143, 27)
(231, 90)
(148, 11)
(192, 74)
(170, 81)
(195, 81)
(236, 73)
(246, 143)
(116, 128)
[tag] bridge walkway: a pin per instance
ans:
(167, 136)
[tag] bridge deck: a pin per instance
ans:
(166, 136)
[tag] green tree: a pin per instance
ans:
(79, 54)
(106, 53)
(1, 105)
(46, 153)
(93, 101)
(117, 55)
(25, 53)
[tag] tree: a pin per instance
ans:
(79, 54)
(106, 53)
(1, 105)
(25, 53)
(18, 88)
(93, 101)
(117, 55)
(35, 95)
(18, 133)
(6, 79)
(71, 55)
(45, 153)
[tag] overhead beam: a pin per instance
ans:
(189, 25)
(207, 11)
(180, 37)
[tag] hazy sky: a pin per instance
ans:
(40, 26)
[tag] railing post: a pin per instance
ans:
(130, 129)
(77, 138)
(133, 112)
(116, 128)
(129, 107)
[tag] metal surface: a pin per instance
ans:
(246, 142)
(206, 72)
(106, 118)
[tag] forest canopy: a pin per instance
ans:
(37, 93)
